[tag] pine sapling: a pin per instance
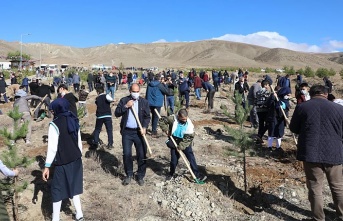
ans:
(12, 158)
(241, 138)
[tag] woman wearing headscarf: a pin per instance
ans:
(64, 152)
(275, 118)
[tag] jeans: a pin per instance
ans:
(186, 94)
(111, 89)
(109, 129)
(130, 137)
(5, 97)
(314, 181)
(154, 117)
(198, 93)
(190, 157)
(170, 103)
(90, 86)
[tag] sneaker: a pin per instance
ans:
(140, 182)
(39, 119)
(80, 219)
(110, 146)
(127, 180)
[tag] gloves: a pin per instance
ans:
(163, 121)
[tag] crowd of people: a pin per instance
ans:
(317, 120)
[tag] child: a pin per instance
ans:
(83, 94)
(103, 116)
(181, 128)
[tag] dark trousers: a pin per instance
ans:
(109, 129)
(130, 137)
(262, 124)
(314, 181)
(26, 88)
(76, 87)
(90, 86)
(154, 117)
(190, 157)
(210, 97)
(47, 104)
(186, 94)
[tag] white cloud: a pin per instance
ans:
(121, 43)
(160, 41)
(275, 40)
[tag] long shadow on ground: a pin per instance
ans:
(258, 201)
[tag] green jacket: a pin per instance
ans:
(169, 124)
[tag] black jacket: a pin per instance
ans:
(319, 123)
(103, 106)
(3, 86)
(45, 90)
(143, 112)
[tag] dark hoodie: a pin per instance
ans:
(155, 93)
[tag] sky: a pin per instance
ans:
(299, 25)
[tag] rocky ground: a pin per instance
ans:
(276, 184)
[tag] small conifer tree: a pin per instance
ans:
(241, 138)
(12, 159)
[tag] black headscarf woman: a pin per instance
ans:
(60, 107)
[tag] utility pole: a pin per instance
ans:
(21, 50)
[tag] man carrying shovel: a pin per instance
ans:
(180, 129)
(127, 108)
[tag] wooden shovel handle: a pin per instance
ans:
(141, 128)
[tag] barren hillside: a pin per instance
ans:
(212, 53)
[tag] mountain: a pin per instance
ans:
(210, 53)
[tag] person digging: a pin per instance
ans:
(180, 131)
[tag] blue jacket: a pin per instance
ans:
(155, 93)
(207, 86)
(25, 81)
(284, 82)
(76, 79)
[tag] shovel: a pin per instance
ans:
(283, 113)
(183, 156)
(141, 128)
(40, 103)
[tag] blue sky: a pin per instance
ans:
(301, 25)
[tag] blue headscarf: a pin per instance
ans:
(60, 107)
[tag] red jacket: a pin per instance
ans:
(197, 82)
(206, 78)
